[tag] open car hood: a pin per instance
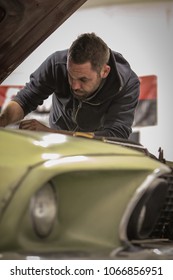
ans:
(25, 24)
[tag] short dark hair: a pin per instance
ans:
(89, 48)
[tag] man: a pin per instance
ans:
(94, 90)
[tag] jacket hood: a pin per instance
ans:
(121, 67)
(116, 80)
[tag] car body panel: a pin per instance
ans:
(20, 141)
(93, 181)
(27, 149)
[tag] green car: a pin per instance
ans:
(75, 197)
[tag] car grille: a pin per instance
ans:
(164, 225)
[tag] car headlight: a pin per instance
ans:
(43, 209)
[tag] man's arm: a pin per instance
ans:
(11, 114)
(33, 124)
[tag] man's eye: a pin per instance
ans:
(84, 80)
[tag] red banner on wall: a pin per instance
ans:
(146, 111)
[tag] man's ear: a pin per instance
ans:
(105, 71)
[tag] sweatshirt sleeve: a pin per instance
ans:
(119, 118)
(40, 86)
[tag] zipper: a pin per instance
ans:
(80, 106)
(75, 115)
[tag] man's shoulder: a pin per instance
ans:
(59, 57)
(119, 58)
(123, 67)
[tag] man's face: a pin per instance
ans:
(83, 80)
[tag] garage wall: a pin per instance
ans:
(143, 33)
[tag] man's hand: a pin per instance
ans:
(37, 126)
(34, 125)
(11, 114)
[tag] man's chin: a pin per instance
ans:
(79, 96)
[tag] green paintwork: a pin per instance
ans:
(94, 183)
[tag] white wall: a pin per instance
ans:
(143, 33)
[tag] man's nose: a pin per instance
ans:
(75, 85)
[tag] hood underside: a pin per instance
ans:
(25, 24)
